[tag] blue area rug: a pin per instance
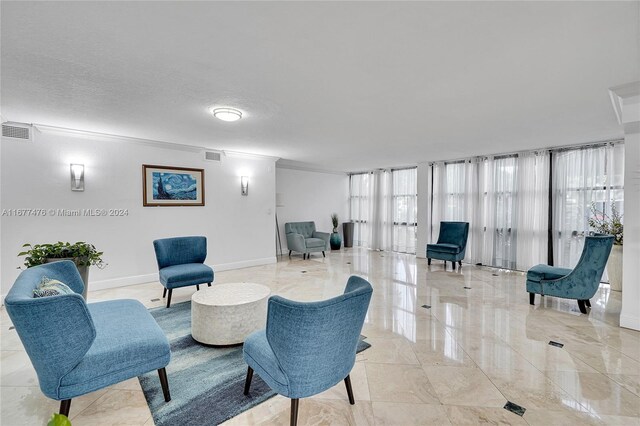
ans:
(206, 382)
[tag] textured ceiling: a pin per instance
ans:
(342, 86)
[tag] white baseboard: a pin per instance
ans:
(122, 281)
(244, 264)
(627, 321)
(147, 278)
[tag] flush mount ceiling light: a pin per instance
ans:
(226, 114)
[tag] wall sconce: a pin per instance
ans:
(77, 177)
(244, 185)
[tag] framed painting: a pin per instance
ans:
(164, 186)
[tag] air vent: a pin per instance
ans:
(212, 156)
(22, 132)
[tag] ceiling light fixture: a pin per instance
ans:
(227, 114)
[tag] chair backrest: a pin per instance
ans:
(454, 233)
(305, 228)
(180, 250)
(593, 260)
(315, 343)
(56, 331)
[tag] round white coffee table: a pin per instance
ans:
(225, 314)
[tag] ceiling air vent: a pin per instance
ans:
(212, 156)
(16, 131)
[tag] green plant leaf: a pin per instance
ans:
(59, 420)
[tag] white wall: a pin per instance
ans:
(312, 196)
(239, 229)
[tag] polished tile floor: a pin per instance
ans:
(477, 345)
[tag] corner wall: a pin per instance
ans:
(35, 175)
(310, 195)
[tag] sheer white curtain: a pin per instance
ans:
(582, 177)
(383, 208)
(532, 220)
(486, 193)
(456, 194)
(405, 201)
(360, 207)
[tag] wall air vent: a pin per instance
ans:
(212, 156)
(16, 131)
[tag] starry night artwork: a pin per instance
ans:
(173, 186)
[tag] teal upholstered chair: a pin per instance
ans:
(579, 283)
(303, 238)
(451, 245)
(181, 263)
(308, 347)
(77, 348)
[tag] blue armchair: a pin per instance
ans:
(308, 347)
(181, 263)
(451, 245)
(580, 283)
(77, 348)
(303, 237)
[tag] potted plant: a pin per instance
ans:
(335, 240)
(602, 223)
(82, 254)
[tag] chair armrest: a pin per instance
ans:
(322, 235)
(296, 242)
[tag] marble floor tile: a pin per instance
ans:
(598, 393)
(390, 351)
(464, 386)
(398, 413)
(399, 383)
(482, 415)
(115, 407)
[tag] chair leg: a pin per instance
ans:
(323, 254)
(208, 284)
(247, 382)
(460, 263)
(198, 287)
(304, 256)
(164, 293)
(294, 412)
(583, 309)
(428, 261)
(162, 373)
(289, 253)
(169, 297)
(587, 302)
(532, 298)
(347, 382)
(65, 406)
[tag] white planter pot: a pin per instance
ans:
(614, 268)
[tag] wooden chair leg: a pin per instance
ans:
(164, 293)
(162, 373)
(532, 298)
(583, 308)
(65, 406)
(294, 412)
(169, 297)
(347, 382)
(247, 382)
